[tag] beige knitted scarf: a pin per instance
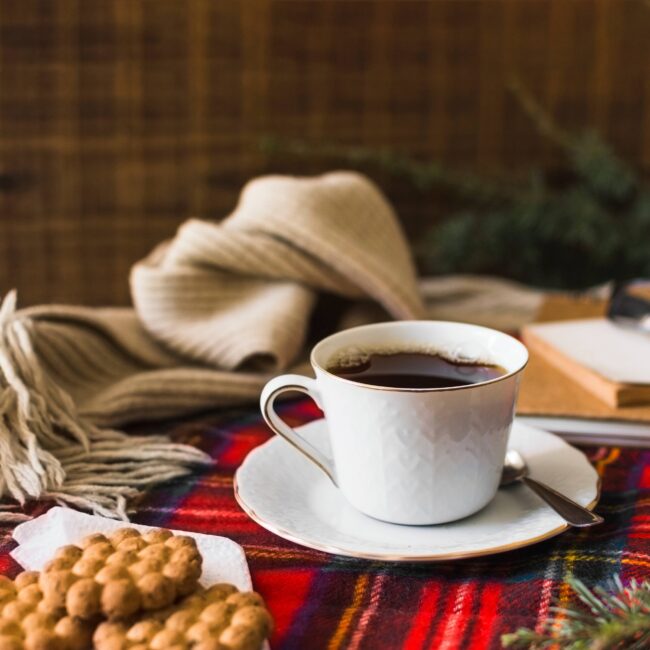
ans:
(218, 310)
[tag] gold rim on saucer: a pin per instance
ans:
(438, 557)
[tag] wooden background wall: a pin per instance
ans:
(119, 118)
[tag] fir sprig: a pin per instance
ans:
(422, 175)
(588, 226)
(592, 160)
(613, 619)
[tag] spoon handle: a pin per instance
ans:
(569, 510)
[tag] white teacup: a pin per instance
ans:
(410, 455)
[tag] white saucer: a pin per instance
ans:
(283, 492)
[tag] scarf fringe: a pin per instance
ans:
(47, 451)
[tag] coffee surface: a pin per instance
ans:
(415, 370)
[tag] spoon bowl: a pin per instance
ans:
(515, 469)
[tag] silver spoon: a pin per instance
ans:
(515, 469)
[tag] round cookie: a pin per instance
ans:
(116, 576)
(30, 620)
(218, 618)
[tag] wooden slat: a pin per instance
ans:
(121, 118)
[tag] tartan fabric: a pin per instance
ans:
(121, 118)
(322, 601)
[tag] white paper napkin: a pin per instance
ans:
(223, 559)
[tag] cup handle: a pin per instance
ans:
(274, 389)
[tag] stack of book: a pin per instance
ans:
(587, 378)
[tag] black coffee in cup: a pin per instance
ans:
(413, 370)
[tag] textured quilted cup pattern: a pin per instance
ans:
(410, 456)
(418, 458)
(397, 453)
(287, 494)
(430, 458)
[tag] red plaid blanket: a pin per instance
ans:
(326, 601)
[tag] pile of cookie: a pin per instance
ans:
(128, 591)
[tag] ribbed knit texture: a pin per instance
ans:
(218, 310)
(241, 292)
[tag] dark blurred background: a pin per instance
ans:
(120, 118)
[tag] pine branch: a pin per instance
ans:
(424, 176)
(590, 228)
(603, 172)
(613, 619)
(538, 116)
